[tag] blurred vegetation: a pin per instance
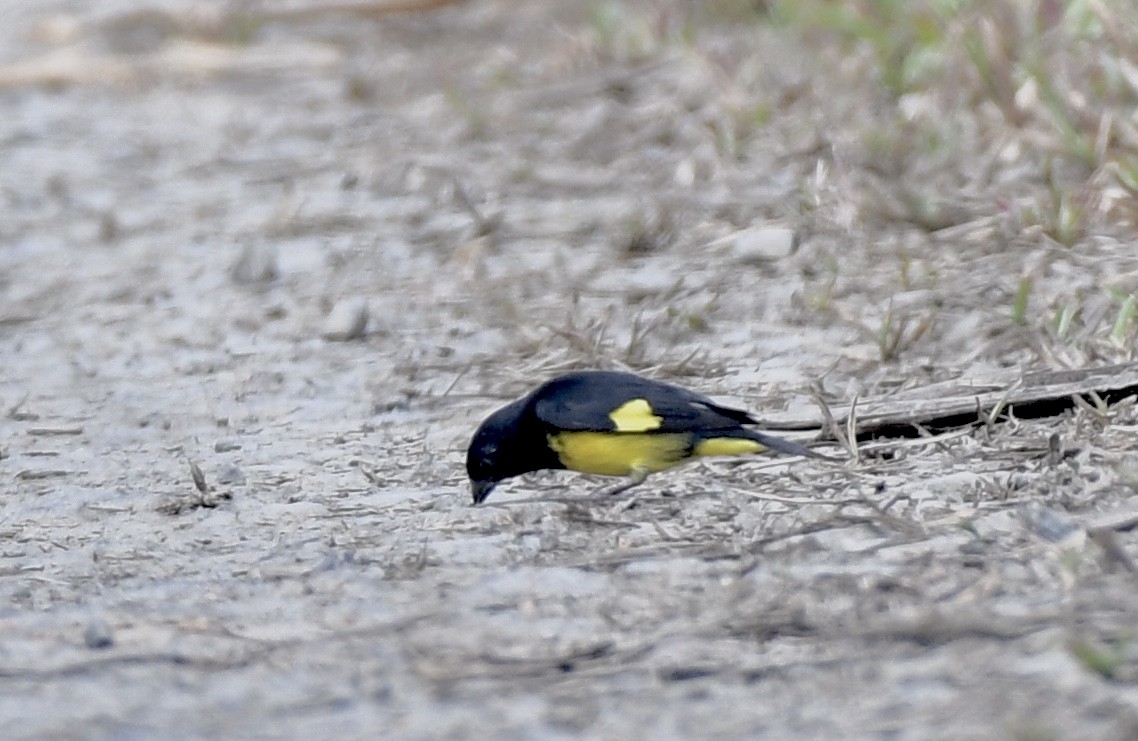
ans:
(1061, 71)
(1008, 125)
(1061, 76)
(1052, 81)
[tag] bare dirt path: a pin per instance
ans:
(201, 201)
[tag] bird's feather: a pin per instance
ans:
(621, 402)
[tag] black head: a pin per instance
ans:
(501, 448)
(492, 455)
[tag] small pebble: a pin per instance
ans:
(764, 244)
(98, 634)
(256, 264)
(155, 419)
(346, 321)
(231, 475)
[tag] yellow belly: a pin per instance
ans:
(621, 453)
(618, 453)
(727, 446)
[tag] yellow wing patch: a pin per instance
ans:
(618, 453)
(635, 416)
(727, 446)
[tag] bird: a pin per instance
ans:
(610, 423)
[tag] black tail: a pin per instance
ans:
(777, 444)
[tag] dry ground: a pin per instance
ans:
(195, 195)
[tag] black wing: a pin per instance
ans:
(584, 401)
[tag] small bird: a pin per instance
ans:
(609, 423)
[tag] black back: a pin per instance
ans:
(582, 401)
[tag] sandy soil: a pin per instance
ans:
(202, 209)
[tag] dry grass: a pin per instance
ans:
(987, 147)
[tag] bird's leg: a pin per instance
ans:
(635, 478)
